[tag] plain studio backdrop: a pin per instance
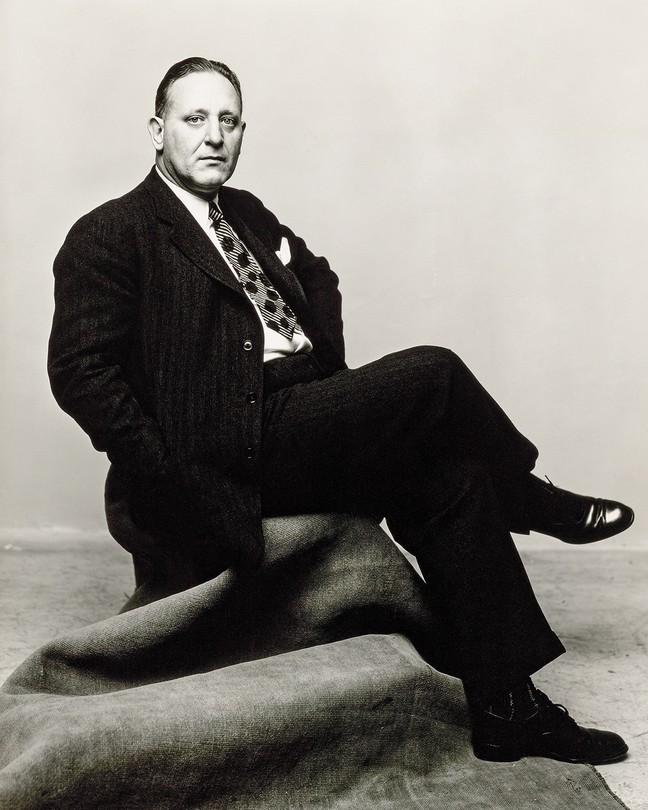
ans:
(475, 171)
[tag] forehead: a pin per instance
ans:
(204, 90)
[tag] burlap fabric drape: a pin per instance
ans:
(302, 686)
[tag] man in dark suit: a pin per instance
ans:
(199, 343)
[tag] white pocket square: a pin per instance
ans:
(283, 254)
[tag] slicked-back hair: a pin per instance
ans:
(194, 64)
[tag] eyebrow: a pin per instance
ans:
(202, 111)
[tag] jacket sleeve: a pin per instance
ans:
(96, 303)
(94, 337)
(320, 285)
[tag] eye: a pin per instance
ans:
(194, 119)
(229, 121)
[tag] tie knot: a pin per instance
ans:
(214, 214)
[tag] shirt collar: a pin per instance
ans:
(197, 206)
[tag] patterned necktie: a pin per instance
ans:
(275, 312)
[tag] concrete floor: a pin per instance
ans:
(594, 596)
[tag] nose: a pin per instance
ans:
(214, 134)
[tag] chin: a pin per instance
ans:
(204, 188)
(212, 182)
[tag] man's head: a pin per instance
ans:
(197, 128)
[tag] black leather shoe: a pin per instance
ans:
(551, 732)
(578, 518)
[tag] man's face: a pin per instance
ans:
(199, 139)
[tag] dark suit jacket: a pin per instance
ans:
(155, 350)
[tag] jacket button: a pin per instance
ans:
(249, 452)
(247, 345)
(251, 397)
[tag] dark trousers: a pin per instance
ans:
(414, 437)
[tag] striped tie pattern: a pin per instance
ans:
(275, 312)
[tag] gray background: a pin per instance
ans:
(475, 170)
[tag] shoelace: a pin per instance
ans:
(560, 713)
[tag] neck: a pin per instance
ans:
(203, 195)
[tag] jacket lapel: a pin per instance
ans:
(282, 277)
(194, 243)
(188, 236)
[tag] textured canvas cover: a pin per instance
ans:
(300, 686)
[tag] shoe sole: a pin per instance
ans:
(496, 753)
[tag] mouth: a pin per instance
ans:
(213, 158)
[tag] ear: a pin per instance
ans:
(156, 131)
